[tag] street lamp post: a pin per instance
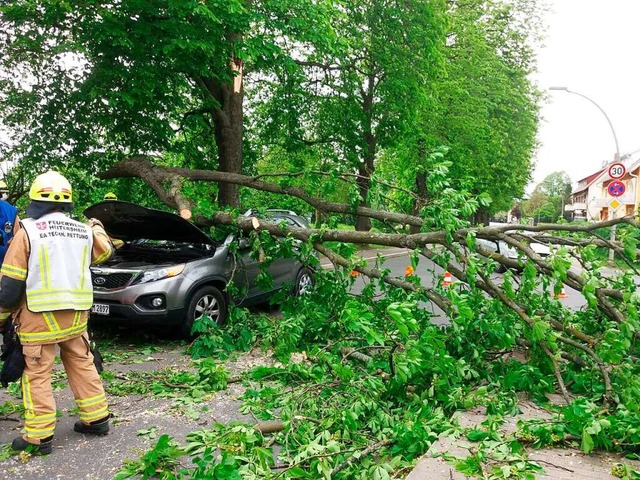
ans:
(615, 158)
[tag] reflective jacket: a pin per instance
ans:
(58, 275)
(66, 321)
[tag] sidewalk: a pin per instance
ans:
(138, 421)
(558, 464)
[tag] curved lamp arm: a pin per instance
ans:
(615, 138)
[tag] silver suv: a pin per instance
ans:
(169, 272)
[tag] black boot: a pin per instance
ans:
(44, 448)
(99, 427)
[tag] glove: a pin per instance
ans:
(92, 222)
(97, 357)
(12, 356)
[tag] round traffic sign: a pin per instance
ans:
(617, 170)
(616, 189)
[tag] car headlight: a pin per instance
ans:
(159, 274)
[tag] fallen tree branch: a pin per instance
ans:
(167, 183)
(358, 455)
(352, 352)
(141, 167)
(269, 427)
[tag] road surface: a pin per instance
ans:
(398, 259)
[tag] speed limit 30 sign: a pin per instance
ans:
(617, 170)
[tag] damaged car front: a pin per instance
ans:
(170, 273)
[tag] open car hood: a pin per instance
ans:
(129, 221)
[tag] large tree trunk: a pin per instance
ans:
(421, 186)
(481, 217)
(228, 131)
(363, 224)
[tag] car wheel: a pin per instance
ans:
(304, 281)
(207, 301)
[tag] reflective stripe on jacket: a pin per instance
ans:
(58, 275)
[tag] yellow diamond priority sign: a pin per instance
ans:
(614, 204)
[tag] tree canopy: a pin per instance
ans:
(325, 85)
(103, 80)
(549, 197)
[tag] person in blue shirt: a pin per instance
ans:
(9, 220)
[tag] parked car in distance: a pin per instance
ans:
(500, 247)
(503, 248)
(540, 248)
(169, 272)
(290, 217)
(537, 244)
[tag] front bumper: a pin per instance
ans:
(133, 304)
(129, 315)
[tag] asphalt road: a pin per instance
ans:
(398, 259)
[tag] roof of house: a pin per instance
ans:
(588, 181)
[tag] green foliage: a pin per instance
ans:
(482, 105)
(9, 407)
(548, 198)
(625, 471)
(187, 388)
(238, 334)
(83, 87)
(355, 370)
(160, 462)
(6, 452)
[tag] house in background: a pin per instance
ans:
(582, 206)
(591, 201)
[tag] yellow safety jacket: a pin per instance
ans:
(41, 328)
(58, 275)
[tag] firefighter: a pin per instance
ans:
(117, 243)
(46, 284)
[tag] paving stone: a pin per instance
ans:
(558, 464)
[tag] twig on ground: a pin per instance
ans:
(358, 455)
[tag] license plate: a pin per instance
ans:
(100, 309)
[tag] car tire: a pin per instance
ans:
(305, 280)
(209, 301)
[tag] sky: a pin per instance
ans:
(593, 48)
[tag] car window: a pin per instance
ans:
(487, 244)
(289, 221)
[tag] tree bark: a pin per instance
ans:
(366, 168)
(228, 127)
(482, 217)
(363, 224)
(421, 186)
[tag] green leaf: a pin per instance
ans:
(540, 330)
(477, 435)
(297, 472)
(587, 442)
